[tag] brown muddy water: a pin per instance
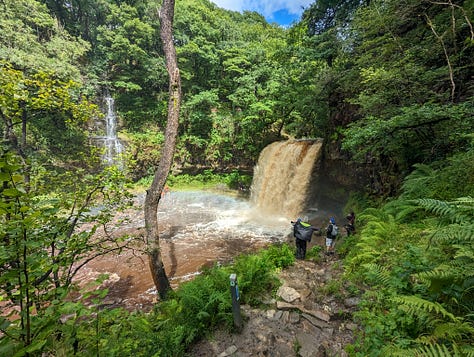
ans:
(197, 229)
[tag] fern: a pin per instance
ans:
(417, 184)
(435, 350)
(415, 305)
(453, 233)
(440, 208)
(442, 272)
(429, 350)
(460, 211)
(449, 331)
(379, 274)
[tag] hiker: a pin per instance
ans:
(331, 234)
(302, 231)
(350, 227)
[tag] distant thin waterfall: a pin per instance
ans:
(283, 176)
(113, 146)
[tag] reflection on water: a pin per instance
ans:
(196, 229)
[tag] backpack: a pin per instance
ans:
(303, 231)
(334, 230)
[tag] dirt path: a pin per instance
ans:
(312, 316)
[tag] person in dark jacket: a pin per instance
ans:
(302, 231)
(350, 226)
(331, 234)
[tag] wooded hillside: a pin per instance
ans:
(391, 82)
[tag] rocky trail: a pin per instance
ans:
(311, 316)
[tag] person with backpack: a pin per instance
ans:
(331, 234)
(302, 231)
(350, 226)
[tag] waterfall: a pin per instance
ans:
(113, 146)
(284, 176)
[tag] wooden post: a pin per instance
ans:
(234, 290)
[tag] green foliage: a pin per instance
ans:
(314, 253)
(32, 40)
(419, 285)
(45, 118)
(443, 180)
(144, 150)
(256, 274)
(44, 244)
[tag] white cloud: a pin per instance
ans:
(264, 7)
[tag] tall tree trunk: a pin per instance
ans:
(153, 195)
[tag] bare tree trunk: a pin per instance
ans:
(154, 192)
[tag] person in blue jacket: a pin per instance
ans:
(302, 231)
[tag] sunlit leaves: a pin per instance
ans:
(31, 39)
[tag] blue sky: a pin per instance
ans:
(283, 12)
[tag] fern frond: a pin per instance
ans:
(373, 214)
(449, 331)
(464, 204)
(428, 350)
(417, 184)
(467, 350)
(415, 305)
(465, 253)
(379, 273)
(435, 350)
(454, 233)
(442, 272)
(406, 211)
(460, 211)
(440, 208)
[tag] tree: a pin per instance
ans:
(46, 237)
(153, 194)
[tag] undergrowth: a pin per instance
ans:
(414, 260)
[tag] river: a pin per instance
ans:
(197, 229)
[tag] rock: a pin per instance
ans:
(314, 321)
(319, 272)
(278, 315)
(261, 337)
(352, 302)
(308, 345)
(351, 326)
(229, 351)
(305, 293)
(294, 318)
(328, 332)
(288, 294)
(281, 305)
(318, 314)
(321, 351)
(270, 314)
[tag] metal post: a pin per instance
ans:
(234, 291)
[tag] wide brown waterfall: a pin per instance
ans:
(284, 177)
